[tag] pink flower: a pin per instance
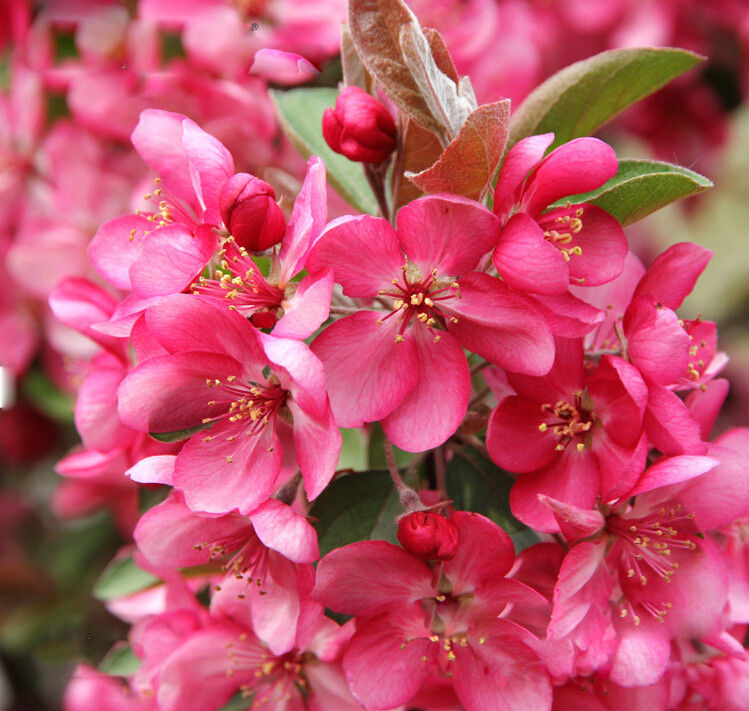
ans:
(359, 127)
(415, 622)
(89, 688)
(543, 250)
(221, 371)
(407, 367)
(575, 434)
(291, 309)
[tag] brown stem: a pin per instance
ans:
(375, 180)
(408, 497)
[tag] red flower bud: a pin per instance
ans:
(250, 213)
(359, 127)
(428, 535)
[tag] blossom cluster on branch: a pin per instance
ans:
(544, 520)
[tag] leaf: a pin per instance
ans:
(640, 187)
(354, 449)
(300, 113)
(179, 435)
(577, 100)
(448, 103)
(122, 577)
(356, 507)
(354, 72)
(120, 661)
(376, 29)
(239, 702)
(475, 483)
(470, 161)
(54, 403)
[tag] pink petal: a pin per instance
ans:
(527, 261)
(519, 161)
(669, 425)
(484, 550)
(180, 381)
(567, 315)
(574, 523)
(115, 248)
(279, 527)
(500, 325)
(171, 535)
(435, 406)
(185, 322)
(513, 438)
(601, 239)
(704, 404)
(673, 470)
(447, 233)
(656, 342)
(171, 257)
(573, 479)
(501, 673)
(575, 167)
(642, 655)
(282, 67)
(583, 582)
(158, 140)
(218, 475)
(158, 469)
(210, 166)
(378, 257)
(308, 308)
(619, 395)
(307, 221)
(318, 447)
(96, 407)
(673, 274)
(367, 372)
(370, 577)
(381, 672)
(620, 466)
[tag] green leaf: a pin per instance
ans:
(47, 397)
(354, 449)
(122, 577)
(475, 483)
(577, 100)
(641, 187)
(239, 702)
(120, 661)
(356, 507)
(179, 435)
(300, 113)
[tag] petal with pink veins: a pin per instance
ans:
(448, 233)
(704, 404)
(434, 407)
(308, 308)
(158, 469)
(525, 155)
(282, 67)
(567, 315)
(370, 577)
(500, 324)
(218, 473)
(363, 253)
(529, 262)
(642, 654)
(171, 257)
(279, 527)
(673, 470)
(367, 372)
(116, 246)
(669, 425)
(577, 166)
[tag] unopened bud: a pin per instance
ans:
(428, 535)
(250, 213)
(359, 127)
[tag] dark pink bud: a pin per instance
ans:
(250, 213)
(263, 319)
(359, 127)
(428, 535)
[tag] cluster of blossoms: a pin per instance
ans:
(228, 337)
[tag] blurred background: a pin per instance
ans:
(74, 76)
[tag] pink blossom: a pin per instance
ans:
(214, 374)
(407, 367)
(415, 622)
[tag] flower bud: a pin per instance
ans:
(359, 127)
(428, 535)
(250, 213)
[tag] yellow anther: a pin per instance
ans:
(399, 339)
(229, 459)
(428, 301)
(576, 224)
(437, 339)
(543, 427)
(398, 303)
(580, 447)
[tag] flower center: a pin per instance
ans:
(414, 297)
(247, 556)
(239, 281)
(166, 210)
(560, 229)
(568, 422)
